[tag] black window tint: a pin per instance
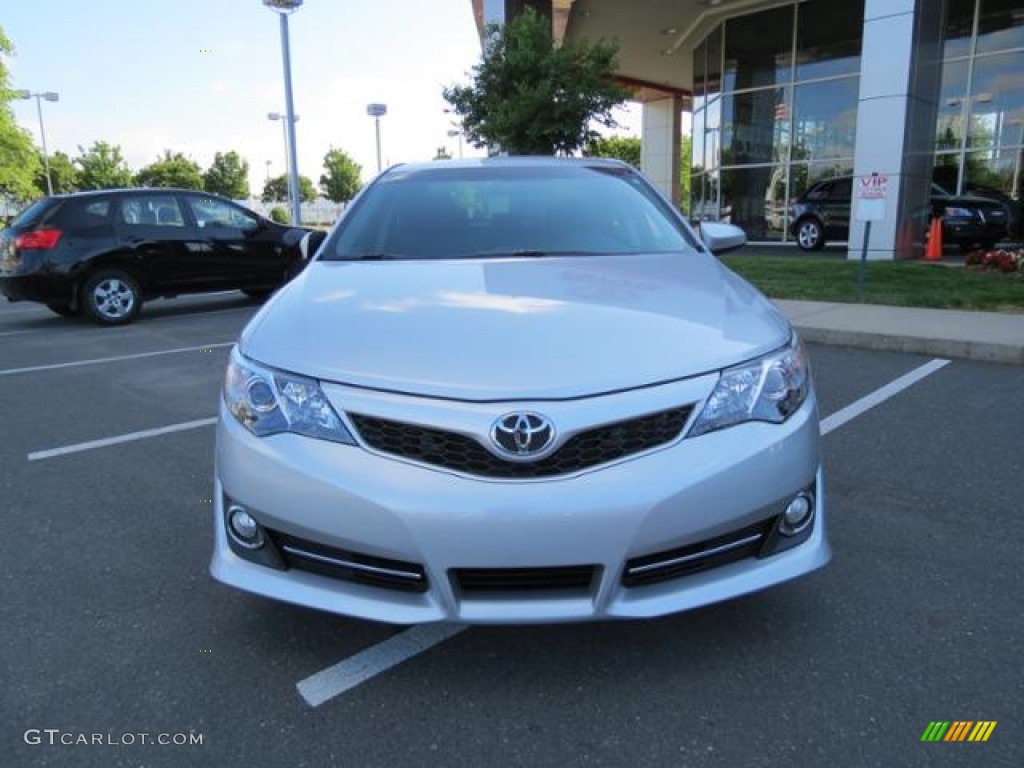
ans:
(83, 213)
(152, 210)
(210, 212)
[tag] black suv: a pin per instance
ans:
(103, 253)
(823, 213)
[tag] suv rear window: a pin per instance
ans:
(83, 213)
(31, 215)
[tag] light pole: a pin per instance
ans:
(268, 170)
(283, 8)
(456, 132)
(49, 96)
(294, 190)
(376, 111)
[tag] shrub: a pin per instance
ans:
(279, 214)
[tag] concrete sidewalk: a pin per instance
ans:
(988, 336)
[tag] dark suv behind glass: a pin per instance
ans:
(822, 213)
(103, 253)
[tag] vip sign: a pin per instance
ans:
(870, 194)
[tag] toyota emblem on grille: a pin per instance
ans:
(522, 435)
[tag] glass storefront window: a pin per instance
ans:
(755, 126)
(714, 68)
(828, 39)
(949, 125)
(959, 28)
(713, 134)
(825, 119)
(997, 100)
(697, 141)
(700, 56)
(999, 170)
(755, 199)
(946, 171)
(759, 49)
(1000, 25)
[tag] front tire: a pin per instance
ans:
(809, 235)
(111, 297)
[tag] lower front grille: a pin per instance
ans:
(683, 561)
(345, 565)
(578, 578)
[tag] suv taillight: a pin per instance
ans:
(40, 239)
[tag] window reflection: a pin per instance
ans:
(828, 39)
(997, 100)
(949, 128)
(755, 127)
(959, 27)
(755, 199)
(759, 49)
(1000, 25)
(825, 123)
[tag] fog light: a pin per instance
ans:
(243, 528)
(798, 515)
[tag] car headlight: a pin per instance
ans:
(267, 402)
(770, 388)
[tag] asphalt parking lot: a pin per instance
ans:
(112, 626)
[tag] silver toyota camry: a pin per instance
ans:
(517, 390)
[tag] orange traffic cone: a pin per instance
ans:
(933, 252)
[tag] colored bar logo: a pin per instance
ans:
(959, 730)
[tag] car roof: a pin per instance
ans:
(132, 191)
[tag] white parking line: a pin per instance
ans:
(347, 674)
(128, 438)
(370, 662)
(100, 360)
(880, 395)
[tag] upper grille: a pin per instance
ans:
(464, 454)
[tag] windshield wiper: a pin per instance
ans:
(527, 253)
(373, 256)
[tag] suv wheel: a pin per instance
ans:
(809, 235)
(111, 297)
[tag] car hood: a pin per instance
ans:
(514, 329)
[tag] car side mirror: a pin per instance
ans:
(721, 238)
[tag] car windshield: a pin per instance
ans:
(500, 211)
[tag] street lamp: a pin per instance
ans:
(294, 190)
(49, 96)
(283, 8)
(376, 111)
(268, 170)
(456, 132)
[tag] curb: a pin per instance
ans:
(1012, 354)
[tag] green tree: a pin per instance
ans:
(625, 148)
(102, 166)
(63, 174)
(685, 151)
(228, 175)
(343, 176)
(531, 97)
(18, 158)
(276, 190)
(171, 170)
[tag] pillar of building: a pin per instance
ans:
(660, 134)
(901, 60)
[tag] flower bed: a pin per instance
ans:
(1003, 260)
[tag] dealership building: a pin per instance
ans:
(784, 94)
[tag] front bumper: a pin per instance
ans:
(353, 500)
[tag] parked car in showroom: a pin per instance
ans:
(517, 390)
(823, 212)
(104, 253)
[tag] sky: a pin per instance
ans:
(200, 76)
